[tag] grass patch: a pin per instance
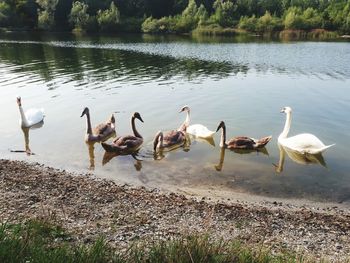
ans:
(319, 34)
(37, 241)
(216, 30)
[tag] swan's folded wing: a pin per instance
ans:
(102, 128)
(173, 137)
(34, 116)
(303, 142)
(241, 142)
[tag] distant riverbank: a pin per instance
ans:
(217, 31)
(89, 207)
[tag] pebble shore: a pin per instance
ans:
(89, 207)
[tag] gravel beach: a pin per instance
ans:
(89, 207)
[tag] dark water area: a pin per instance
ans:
(244, 82)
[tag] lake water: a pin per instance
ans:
(243, 82)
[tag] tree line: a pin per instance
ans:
(175, 16)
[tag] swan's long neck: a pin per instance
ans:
(223, 137)
(158, 141)
(187, 120)
(136, 133)
(186, 123)
(286, 128)
(88, 124)
(24, 121)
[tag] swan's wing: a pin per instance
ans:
(102, 128)
(34, 116)
(173, 137)
(303, 142)
(241, 142)
(199, 130)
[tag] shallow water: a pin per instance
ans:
(243, 82)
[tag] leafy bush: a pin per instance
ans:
(224, 13)
(293, 18)
(46, 13)
(268, 23)
(162, 25)
(79, 18)
(5, 12)
(248, 23)
(108, 19)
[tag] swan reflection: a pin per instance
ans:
(298, 157)
(203, 140)
(160, 153)
(91, 148)
(108, 156)
(219, 166)
(25, 131)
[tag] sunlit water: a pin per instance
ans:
(245, 83)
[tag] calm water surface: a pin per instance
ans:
(245, 83)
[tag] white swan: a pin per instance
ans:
(197, 130)
(303, 143)
(30, 117)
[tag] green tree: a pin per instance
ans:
(224, 13)
(268, 23)
(293, 18)
(248, 23)
(188, 21)
(202, 15)
(5, 13)
(108, 19)
(311, 18)
(79, 18)
(46, 13)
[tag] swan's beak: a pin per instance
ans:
(282, 111)
(140, 119)
(184, 108)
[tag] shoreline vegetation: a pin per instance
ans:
(50, 215)
(285, 19)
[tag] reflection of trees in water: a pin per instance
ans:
(82, 64)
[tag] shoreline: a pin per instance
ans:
(315, 34)
(90, 207)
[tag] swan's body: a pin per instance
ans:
(30, 117)
(126, 144)
(302, 143)
(170, 141)
(200, 131)
(174, 138)
(101, 132)
(241, 142)
(197, 130)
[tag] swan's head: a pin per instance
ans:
(85, 111)
(137, 116)
(19, 102)
(185, 108)
(112, 119)
(286, 110)
(221, 125)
